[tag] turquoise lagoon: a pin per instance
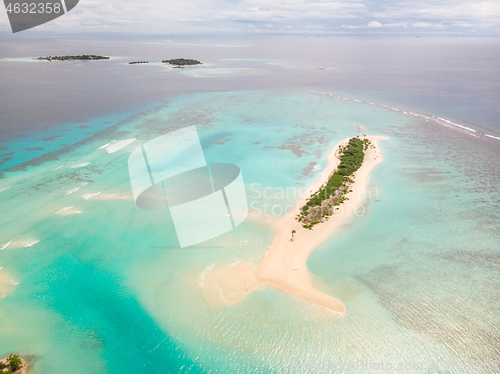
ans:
(100, 286)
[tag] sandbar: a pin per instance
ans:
(284, 266)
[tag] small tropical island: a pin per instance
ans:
(325, 201)
(74, 58)
(13, 364)
(181, 62)
(284, 265)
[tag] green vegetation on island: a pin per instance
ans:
(322, 203)
(73, 58)
(182, 62)
(12, 364)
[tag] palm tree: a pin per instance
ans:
(293, 232)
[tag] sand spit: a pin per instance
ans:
(284, 265)
(228, 285)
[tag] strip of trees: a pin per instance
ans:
(13, 363)
(182, 62)
(332, 193)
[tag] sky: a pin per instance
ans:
(294, 17)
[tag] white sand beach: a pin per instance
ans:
(284, 265)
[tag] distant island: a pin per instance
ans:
(181, 62)
(73, 58)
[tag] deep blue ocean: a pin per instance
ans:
(89, 283)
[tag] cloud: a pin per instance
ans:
(422, 24)
(374, 24)
(396, 24)
(278, 16)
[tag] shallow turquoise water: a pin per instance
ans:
(107, 290)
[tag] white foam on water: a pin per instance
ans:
(57, 167)
(491, 136)
(221, 295)
(3, 189)
(112, 148)
(69, 192)
(29, 243)
(114, 196)
(204, 274)
(67, 211)
(7, 244)
(105, 145)
(63, 210)
(80, 165)
(1, 267)
(405, 112)
(90, 195)
(14, 283)
(455, 124)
